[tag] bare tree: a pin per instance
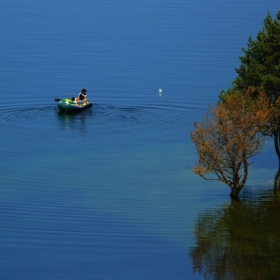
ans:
(229, 136)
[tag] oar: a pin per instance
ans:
(57, 99)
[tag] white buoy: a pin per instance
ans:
(160, 92)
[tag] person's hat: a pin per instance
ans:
(84, 90)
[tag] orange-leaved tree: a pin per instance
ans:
(229, 136)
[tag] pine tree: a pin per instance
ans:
(260, 67)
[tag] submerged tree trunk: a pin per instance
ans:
(235, 193)
(276, 135)
(277, 182)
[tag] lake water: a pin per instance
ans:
(108, 193)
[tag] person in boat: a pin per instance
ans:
(82, 97)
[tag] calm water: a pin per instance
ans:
(107, 194)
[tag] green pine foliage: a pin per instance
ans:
(260, 70)
(260, 65)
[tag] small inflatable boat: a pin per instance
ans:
(69, 106)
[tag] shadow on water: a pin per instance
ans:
(122, 119)
(71, 116)
(240, 240)
(99, 113)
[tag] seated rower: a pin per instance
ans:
(82, 97)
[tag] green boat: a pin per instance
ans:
(69, 106)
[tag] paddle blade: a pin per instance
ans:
(57, 99)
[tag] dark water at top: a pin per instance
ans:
(107, 194)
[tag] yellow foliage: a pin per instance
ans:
(230, 134)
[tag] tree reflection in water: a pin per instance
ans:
(239, 241)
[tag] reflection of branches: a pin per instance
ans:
(239, 241)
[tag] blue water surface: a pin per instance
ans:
(108, 193)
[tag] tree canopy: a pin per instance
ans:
(234, 130)
(260, 65)
(229, 136)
